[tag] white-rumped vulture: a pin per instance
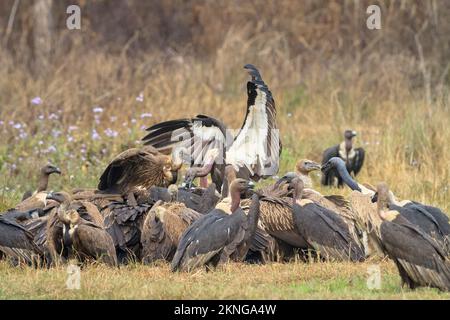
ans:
(217, 237)
(420, 260)
(139, 168)
(162, 230)
(252, 154)
(353, 158)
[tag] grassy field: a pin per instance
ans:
(233, 281)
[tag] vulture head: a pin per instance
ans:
(61, 197)
(49, 169)
(349, 134)
(305, 166)
(237, 188)
(173, 191)
(333, 163)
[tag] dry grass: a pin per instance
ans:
(234, 281)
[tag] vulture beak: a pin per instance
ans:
(174, 177)
(354, 133)
(314, 166)
(57, 170)
(51, 196)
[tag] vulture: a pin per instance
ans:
(88, 240)
(336, 203)
(14, 235)
(252, 154)
(420, 260)
(123, 222)
(44, 175)
(57, 238)
(139, 168)
(202, 200)
(162, 230)
(303, 168)
(324, 230)
(353, 157)
(430, 219)
(32, 204)
(215, 238)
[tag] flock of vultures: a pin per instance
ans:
(139, 213)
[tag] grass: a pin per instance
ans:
(233, 281)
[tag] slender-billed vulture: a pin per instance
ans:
(420, 260)
(162, 230)
(217, 237)
(252, 154)
(353, 157)
(89, 241)
(44, 175)
(139, 168)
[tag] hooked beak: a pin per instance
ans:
(51, 196)
(174, 177)
(354, 133)
(314, 166)
(57, 171)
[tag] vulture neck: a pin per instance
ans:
(348, 180)
(298, 194)
(348, 145)
(235, 200)
(203, 173)
(43, 182)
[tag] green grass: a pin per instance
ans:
(233, 281)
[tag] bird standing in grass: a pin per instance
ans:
(353, 158)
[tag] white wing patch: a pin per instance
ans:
(250, 147)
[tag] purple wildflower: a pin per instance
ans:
(36, 101)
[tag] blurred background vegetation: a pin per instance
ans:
(78, 97)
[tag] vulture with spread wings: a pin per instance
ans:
(252, 154)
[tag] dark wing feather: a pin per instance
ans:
(359, 160)
(196, 135)
(14, 235)
(326, 232)
(417, 255)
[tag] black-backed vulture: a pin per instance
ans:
(89, 241)
(139, 168)
(420, 260)
(430, 219)
(252, 154)
(162, 230)
(217, 237)
(44, 175)
(353, 158)
(324, 230)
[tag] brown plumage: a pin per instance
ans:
(88, 240)
(57, 233)
(44, 175)
(139, 168)
(163, 228)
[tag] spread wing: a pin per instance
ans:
(257, 146)
(194, 136)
